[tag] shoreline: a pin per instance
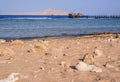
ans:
(59, 36)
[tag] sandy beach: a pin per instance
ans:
(89, 58)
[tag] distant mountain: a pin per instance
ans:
(44, 12)
(52, 12)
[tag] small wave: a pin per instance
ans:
(29, 18)
(86, 18)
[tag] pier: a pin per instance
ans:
(99, 16)
(80, 15)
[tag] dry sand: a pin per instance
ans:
(55, 59)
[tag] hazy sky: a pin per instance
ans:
(89, 7)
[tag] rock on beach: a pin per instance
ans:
(81, 66)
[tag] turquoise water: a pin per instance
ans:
(40, 27)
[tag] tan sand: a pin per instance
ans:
(55, 59)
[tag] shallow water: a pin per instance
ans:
(45, 26)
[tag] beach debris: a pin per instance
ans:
(17, 42)
(13, 77)
(2, 40)
(88, 58)
(81, 66)
(98, 53)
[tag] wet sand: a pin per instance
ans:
(55, 59)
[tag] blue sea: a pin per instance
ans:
(14, 26)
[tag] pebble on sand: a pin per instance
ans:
(98, 53)
(81, 66)
(2, 40)
(88, 58)
(13, 77)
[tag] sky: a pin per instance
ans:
(87, 7)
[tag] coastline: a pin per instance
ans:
(59, 36)
(56, 59)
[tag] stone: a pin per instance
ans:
(42, 68)
(48, 54)
(117, 36)
(98, 53)
(13, 77)
(2, 40)
(39, 46)
(63, 63)
(45, 42)
(81, 66)
(88, 58)
(109, 66)
(110, 39)
(64, 54)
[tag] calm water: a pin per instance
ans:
(22, 27)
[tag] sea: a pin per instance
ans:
(36, 26)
